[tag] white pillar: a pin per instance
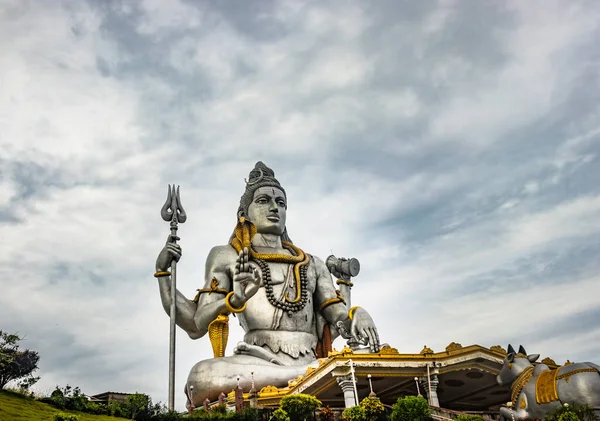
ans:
(347, 386)
(428, 386)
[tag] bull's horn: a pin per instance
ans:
(511, 349)
(522, 350)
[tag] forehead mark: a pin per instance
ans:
(265, 191)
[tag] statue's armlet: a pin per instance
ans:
(211, 302)
(217, 276)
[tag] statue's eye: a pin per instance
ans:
(281, 203)
(262, 201)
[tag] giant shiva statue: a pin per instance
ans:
(284, 300)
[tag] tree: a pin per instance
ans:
(16, 364)
(411, 408)
(138, 404)
(354, 413)
(300, 407)
(374, 409)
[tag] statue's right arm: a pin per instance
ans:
(210, 305)
(193, 317)
(185, 309)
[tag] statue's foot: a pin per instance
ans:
(257, 351)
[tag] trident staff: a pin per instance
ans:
(173, 211)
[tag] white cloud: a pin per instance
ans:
(316, 102)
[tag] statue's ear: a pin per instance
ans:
(510, 357)
(533, 357)
(522, 350)
(510, 349)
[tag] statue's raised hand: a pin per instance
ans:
(363, 329)
(171, 251)
(246, 278)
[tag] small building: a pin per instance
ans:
(107, 397)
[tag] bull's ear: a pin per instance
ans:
(510, 357)
(533, 357)
(510, 349)
(522, 350)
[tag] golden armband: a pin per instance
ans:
(162, 273)
(351, 312)
(338, 299)
(232, 309)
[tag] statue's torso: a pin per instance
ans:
(260, 314)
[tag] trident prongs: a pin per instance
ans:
(172, 209)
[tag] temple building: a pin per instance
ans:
(458, 378)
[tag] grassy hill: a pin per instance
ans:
(16, 407)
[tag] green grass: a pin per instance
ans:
(16, 407)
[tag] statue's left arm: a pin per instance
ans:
(362, 326)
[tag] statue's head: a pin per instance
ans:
(264, 202)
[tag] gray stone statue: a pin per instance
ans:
(538, 390)
(284, 300)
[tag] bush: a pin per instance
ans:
(582, 412)
(411, 408)
(61, 416)
(374, 409)
(300, 407)
(326, 414)
(466, 417)
(97, 409)
(280, 415)
(69, 398)
(354, 413)
(568, 416)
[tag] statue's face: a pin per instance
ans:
(268, 210)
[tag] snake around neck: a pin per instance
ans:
(244, 232)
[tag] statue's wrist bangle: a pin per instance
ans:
(351, 312)
(162, 273)
(232, 309)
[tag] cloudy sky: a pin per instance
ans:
(451, 146)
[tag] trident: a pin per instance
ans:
(173, 211)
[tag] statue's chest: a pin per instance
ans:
(261, 313)
(280, 273)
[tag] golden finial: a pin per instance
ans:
(426, 351)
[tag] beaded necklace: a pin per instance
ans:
(290, 306)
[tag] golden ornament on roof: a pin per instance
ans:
(453, 346)
(426, 351)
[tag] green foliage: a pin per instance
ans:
(219, 409)
(568, 416)
(582, 412)
(411, 408)
(18, 407)
(467, 417)
(300, 407)
(246, 414)
(280, 415)
(354, 413)
(374, 409)
(16, 364)
(61, 416)
(326, 414)
(69, 398)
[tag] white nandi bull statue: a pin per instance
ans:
(538, 390)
